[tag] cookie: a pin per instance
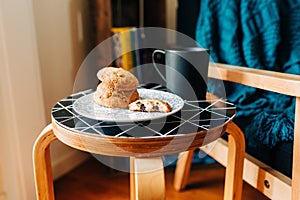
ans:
(117, 88)
(150, 105)
(104, 96)
(118, 78)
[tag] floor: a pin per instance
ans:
(92, 180)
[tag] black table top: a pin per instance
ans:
(195, 116)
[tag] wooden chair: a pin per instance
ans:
(262, 177)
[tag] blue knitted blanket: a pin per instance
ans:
(263, 34)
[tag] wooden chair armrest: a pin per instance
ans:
(283, 83)
(272, 81)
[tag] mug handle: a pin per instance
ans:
(153, 61)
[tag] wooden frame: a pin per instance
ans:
(42, 164)
(147, 179)
(234, 159)
(262, 177)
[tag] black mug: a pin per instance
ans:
(186, 71)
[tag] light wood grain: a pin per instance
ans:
(2, 193)
(257, 174)
(234, 165)
(296, 154)
(145, 154)
(147, 178)
(182, 170)
(268, 80)
(136, 147)
(42, 164)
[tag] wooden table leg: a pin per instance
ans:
(235, 163)
(182, 170)
(147, 179)
(234, 170)
(42, 164)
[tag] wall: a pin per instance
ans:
(22, 110)
(37, 67)
(2, 192)
(62, 29)
(42, 43)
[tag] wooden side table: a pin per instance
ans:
(197, 124)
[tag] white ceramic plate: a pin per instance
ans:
(86, 106)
